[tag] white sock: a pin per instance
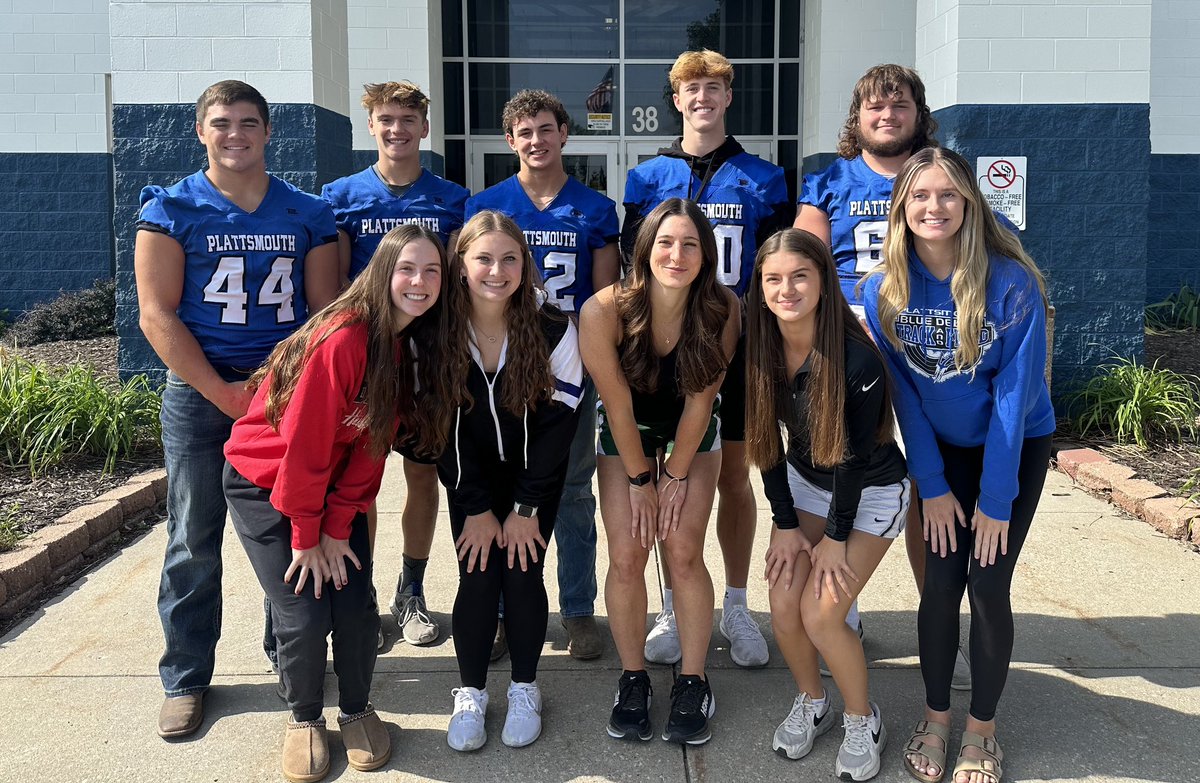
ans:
(668, 604)
(852, 617)
(820, 703)
(734, 596)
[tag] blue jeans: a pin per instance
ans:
(194, 432)
(575, 526)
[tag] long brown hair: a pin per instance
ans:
(527, 377)
(767, 381)
(886, 81)
(979, 235)
(701, 358)
(388, 381)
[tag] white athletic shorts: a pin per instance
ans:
(881, 510)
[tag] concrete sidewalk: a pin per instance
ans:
(1105, 683)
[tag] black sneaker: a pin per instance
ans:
(631, 709)
(692, 705)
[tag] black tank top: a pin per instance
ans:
(665, 403)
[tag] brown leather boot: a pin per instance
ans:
(305, 751)
(368, 745)
(181, 715)
(583, 638)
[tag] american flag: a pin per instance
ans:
(600, 98)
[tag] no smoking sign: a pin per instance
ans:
(1002, 181)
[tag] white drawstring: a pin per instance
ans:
(457, 452)
(525, 434)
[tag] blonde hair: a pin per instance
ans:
(405, 93)
(698, 65)
(979, 235)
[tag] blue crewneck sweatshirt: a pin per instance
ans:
(998, 403)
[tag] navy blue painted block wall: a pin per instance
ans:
(55, 228)
(1174, 243)
(1088, 216)
(157, 144)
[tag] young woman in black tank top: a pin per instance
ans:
(668, 326)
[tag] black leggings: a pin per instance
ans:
(988, 588)
(526, 608)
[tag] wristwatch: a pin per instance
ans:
(640, 480)
(525, 510)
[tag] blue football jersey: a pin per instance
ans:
(366, 210)
(243, 286)
(857, 201)
(743, 193)
(561, 237)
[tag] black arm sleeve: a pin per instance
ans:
(865, 384)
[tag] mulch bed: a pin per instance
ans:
(43, 499)
(1167, 464)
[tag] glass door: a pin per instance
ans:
(592, 162)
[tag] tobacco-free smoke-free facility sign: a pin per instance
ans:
(1002, 181)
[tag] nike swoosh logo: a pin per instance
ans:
(875, 737)
(868, 387)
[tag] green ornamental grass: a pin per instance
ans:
(1178, 312)
(49, 415)
(1132, 402)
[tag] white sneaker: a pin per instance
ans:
(467, 731)
(416, 626)
(961, 681)
(794, 737)
(662, 643)
(524, 722)
(747, 646)
(858, 758)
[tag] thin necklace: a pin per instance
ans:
(475, 326)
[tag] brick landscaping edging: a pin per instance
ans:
(1171, 515)
(58, 550)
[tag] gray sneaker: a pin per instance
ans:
(662, 643)
(794, 737)
(747, 647)
(858, 758)
(416, 626)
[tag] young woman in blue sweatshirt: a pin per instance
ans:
(959, 310)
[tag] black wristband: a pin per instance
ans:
(641, 479)
(667, 473)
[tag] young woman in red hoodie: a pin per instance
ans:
(305, 463)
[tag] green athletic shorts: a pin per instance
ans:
(659, 436)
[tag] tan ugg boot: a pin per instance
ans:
(305, 751)
(368, 745)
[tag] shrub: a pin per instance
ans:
(74, 315)
(10, 528)
(1180, 311)
(1132, 402)
(48, 415)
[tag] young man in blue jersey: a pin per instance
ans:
(393, 191)
(746, 200)
(572, 232)
(228, 262)
(847, 205)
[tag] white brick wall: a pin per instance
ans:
(1175, 77)
(53, 60)
(843, 39)
(293, 51)
(1054, 51)
(391, 40)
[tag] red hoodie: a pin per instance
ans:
(317, 464)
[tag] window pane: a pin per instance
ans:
(452, 100)
(585, 90)
(790, 16)
(452, 28)
(790, 163)
(664, 28)
(536, 28)
(789, 99)
(456, 161)
(649, 110)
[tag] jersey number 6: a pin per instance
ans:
(227, 289)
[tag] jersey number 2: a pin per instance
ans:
(560, 273)
(227, 289)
